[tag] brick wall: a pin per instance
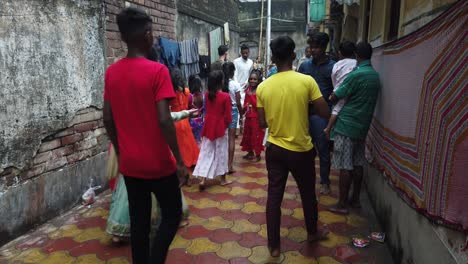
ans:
(163, 13)
(85, 137)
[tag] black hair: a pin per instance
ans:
(133, 24)
(282, 48)
(228, 70)
(347, 49)
(222, 50)
(215, 79)
(244, 47)
(177, 78)
(364, 50)
(320, 38)
(195, 83)
(259, 75)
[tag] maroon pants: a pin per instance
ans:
(280, 162)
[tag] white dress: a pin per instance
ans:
(213, 157)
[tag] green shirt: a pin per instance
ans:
(361, 87)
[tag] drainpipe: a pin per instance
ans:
(261, 33)
(268, 35)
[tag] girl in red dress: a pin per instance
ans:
(252, 140)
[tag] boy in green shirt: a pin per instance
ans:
(362, 87)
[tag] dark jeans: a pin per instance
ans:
(321, 144)
(280, 162)
(167, 194)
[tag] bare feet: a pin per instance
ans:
(201, 186)
(224, 181)
(274, 252)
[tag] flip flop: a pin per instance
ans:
(225, 183)
(320, 235)
(339, 210)
(201, 187)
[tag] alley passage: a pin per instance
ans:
(227, 225)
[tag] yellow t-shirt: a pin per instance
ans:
(285, 98)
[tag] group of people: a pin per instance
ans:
(146, 111)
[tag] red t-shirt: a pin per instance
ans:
(132, 87)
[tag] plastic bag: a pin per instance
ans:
(89, 197)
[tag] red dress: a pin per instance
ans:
(187, 145)
(218, 116)
(252, 139)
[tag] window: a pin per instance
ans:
(394, 19)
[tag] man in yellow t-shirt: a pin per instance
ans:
(282, 102)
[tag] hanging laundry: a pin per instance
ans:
(170, 52)
(189, 57)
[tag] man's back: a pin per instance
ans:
(362, 86)
(285, 98)
(132, 87)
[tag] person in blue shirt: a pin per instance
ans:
(320, 68)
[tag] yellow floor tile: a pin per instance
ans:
(330, 218)
(89, 259)
(244, 226)
(334, 240)
(217, 222)
(59, 257)
(261, 254)
(296, 258)
(253, 207)
(232, 249)
(228, 205)
(202, 245)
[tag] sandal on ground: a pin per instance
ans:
(339, 209)
(320, 235)
(201, 187)
(249, 156)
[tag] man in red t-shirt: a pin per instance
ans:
(138, 121)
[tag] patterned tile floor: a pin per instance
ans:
(227, 225)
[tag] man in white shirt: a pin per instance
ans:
(244, 66)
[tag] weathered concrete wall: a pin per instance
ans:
(52, 64)
(412, 238)
(417, 13)
(196, 18)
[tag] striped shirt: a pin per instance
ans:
(362, 88)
